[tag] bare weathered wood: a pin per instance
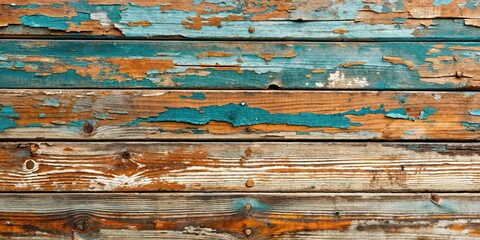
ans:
(221, 216)
(239, 65)
(272, 167)
(152, 114)
(297, 19)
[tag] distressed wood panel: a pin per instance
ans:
(298, 19)
(219, 216)
(238, 65)
(207, 166)
(153, 114)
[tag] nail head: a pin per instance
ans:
(250, 183)
(435, 198)
(251, 30)
(248, 231)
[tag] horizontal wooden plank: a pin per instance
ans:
(220, 216)
(297, 19)
(237, 166)
(154, 114)
(238, 65)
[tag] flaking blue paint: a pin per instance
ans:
(441, 2)
(474, 112)
(471, 126)
(45, 21)
(6, 114)
(243, 115)
(426, 112)
(398, 113)
(51, 102)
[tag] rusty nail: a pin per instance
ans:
(251, 30)
(434, 198)
(249, 183)
(458, 74)
(456, 57)
(248, 206)
(82, 225)
(87, 128)
(248, 231)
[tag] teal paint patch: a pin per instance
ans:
(45, 21)
(19, 65)
(42, 115)
(6, 114)
(197, 96)
(426, 112)
(399, 20)
(33, 125)
(471, 126)
(8, 111)
(472, 4)
(51, 102)
(242, 115)
(441, 2)
(402, 98)
(474, 112)
(398, 113)
(302, 133)
(239, 205)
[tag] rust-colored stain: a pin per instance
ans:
(214, 54)
(138, 68)
(349, 64)
(397, 60)
(143, 23)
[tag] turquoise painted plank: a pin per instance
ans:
(296, 19)
(238, 65)
(226, 114)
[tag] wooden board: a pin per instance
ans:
(297, 19)
(153, 114)
(221, 216)
(237, 166)
(239, 65)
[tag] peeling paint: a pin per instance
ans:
(426, 112)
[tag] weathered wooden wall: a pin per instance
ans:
(239, 119)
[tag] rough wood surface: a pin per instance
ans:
(235, 166)
(297, 19)
(238, 65)
(220, 216)
(154, 114)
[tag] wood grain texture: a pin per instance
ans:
(236, 166)
(238, 65)
(153, 114)
(220, 216)
(297, 19)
